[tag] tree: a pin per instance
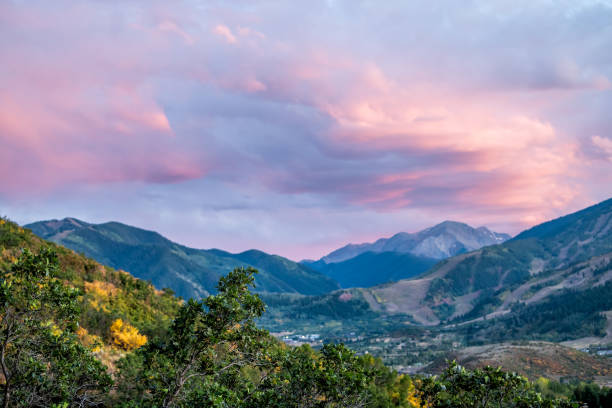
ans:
(215, 356)
(484, 388)
(41, 361)
(201, 359)
(334, 377)
(593, 395)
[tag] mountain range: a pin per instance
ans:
(187, 271)
(441, 241)
(570, 252)
(108, 297)
(404, 255)
(550, 283)
(573, 252)
(194, 272)
(529, 303)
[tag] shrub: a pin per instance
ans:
(126, 336)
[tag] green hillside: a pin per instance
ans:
(188, 272)
(551, 245)
(564, 252)
(374, 268)
(107, 294)
(134, 300)
(584, 222)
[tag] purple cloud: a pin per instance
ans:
(285, 126)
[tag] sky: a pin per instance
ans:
(297, 127)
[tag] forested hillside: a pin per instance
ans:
(106, 294)
(571, 252)
(374, 268)
(189, 272)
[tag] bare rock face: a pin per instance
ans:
(442, 241)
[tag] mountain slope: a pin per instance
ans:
(107, 294)
(446, 239)
(572, 251)
(582, 228)
(187, 271)
(374, 268)
(531, 359)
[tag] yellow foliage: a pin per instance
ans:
(99, 293)
(543, 382)
(55, 330)
(101, 289)
(8, 255)
(82, 332)
(405, 393)
(126, 336)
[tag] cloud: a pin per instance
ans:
(604, 145)
(171, 27)
(226, 33)
(481, 112)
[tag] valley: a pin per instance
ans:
(546, 292)
(543, 285)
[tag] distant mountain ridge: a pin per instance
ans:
(573, 252)
(404, 255)
(441, 241)
(552, 283)
(373, 268)
(189, 272)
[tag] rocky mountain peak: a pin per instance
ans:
(441, 241)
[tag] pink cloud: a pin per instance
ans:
(62, 139)
(226, 33)
(604, 144)
(349, 112)
(528, 161)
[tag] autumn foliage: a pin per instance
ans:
(126, 336)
